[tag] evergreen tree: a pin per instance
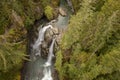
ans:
(90, 46)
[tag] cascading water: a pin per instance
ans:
(39, 68)
(36, 46)
(47, 65)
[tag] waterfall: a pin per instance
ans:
(37, 50)
(47, 70)
(36, 46)
(39, 68)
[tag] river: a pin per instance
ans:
(33, 69)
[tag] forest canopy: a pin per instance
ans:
(90, 46)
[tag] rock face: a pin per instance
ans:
(17, 19)
(71, 5)
(49, 35)
(62, 12)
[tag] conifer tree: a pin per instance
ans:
(90, 47)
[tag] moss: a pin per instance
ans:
(49, 12)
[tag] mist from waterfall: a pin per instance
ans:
(37, 51)
(47, 66)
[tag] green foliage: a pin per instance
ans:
(76, 4)
(49, 12)
(55, 3)
(11, 59)
(11, 75)
(4, 16)
(28, 23)
(113, 76)
(81, 18)
(16, 17)
(25, 9)
(92, 42)
(45, 2)
(58, 64)
(10, 56)
(97, 4)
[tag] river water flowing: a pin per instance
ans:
(40, 39)
(47, 66)
(39, 68)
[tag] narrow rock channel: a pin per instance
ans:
(36, 68)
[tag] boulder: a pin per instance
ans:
(62, 12)
(50, 34)
(44, 49)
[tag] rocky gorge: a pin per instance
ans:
(22, 28)
(19, 20)
(34, 69)
(59, 39)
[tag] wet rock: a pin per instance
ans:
(44, 49)
(55, 75)
(48, 37)
(50, 34)
(55, 31)
(71, 5)
(62, 12)
(44, 45)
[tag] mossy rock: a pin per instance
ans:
(49, 12)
